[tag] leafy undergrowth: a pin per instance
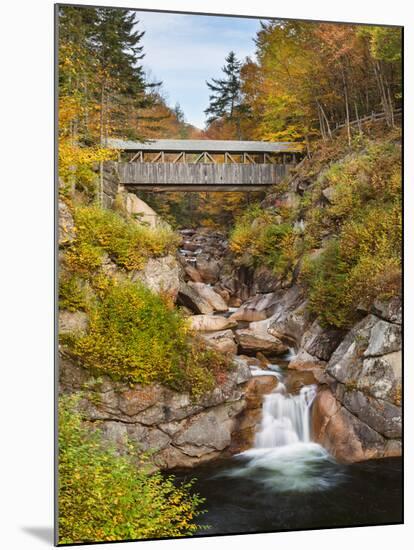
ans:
(346, 229)
(129, 245)
(105, 497)
(264, 237)
(135, 336)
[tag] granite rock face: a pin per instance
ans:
(161, 275)
(179, 431)
(222, 340)
(358, 416)
(258, 338)
(211, 323)
(67, 232)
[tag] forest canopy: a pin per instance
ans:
(305, 80)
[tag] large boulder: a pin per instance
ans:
(193, 273)
(258, 308)
(381, 377)
(264, 281)
(380, 415)
(257, 338)
(390, 310)
(162, 275)
(337, 430)
(208, 268)
(211, 323)
(385, 338)
(141, 211)
(190, 298)
(289, 319)
(321, 342)
(222, 340)
(345, 363)
(304, 361)
(209, 295)
(365, 371)
(206, 432)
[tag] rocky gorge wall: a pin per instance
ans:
(174, 427)
(356, 414)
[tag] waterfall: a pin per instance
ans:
(285, 419)
(284, 457)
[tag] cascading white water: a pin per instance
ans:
(285, 419)
(284, 458)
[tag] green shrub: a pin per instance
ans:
(362, 264)
(128, 244)
(103, 496)
(371, 178)
(71, 293)
(261, 237)
(136, 337)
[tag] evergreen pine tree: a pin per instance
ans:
(226, 99)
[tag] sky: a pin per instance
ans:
(186, 50)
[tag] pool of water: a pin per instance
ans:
(241, 498)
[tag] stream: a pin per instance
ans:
(285, 480)
(288, 482)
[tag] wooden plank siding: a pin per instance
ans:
(144, 175)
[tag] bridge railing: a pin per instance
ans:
(173, 174)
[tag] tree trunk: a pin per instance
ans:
(321, 125)
(326, 121)
(348, 126)
(383, 95)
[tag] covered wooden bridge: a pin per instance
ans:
(203, 165)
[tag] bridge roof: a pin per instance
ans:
(208, 145)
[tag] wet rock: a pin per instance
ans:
(258, 386)
(209, 295)
(342, 434)
(249, 418)
(211, 323)
(188, 245)
(188, 232)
